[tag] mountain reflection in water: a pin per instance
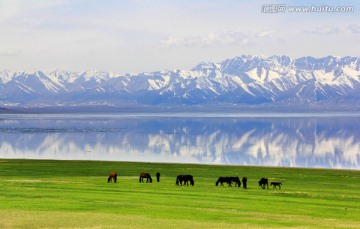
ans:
(294, 141)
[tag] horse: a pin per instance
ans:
(236, 180)
(223, 180)
(263, 182)
(157, 177)
(186, 179)
(229, 181)
(145, 175)
(112, 176)
(179, 179)
(244, 180)
(274, 184)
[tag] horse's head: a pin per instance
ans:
(192, 182)
(217, 183)
(109, 179)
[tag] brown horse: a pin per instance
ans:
(112, 176)
(145, 175)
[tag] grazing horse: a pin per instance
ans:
(229, 181)
(179, 179)
(112, 176)
(244, 180)
(274, 184)
(223, 180)
(263, 182)
(145, 175)
(236, 180)
(186, 179)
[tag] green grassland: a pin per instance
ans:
(75, 194)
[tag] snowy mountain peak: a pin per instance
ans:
(246, 79)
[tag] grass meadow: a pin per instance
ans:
(75, 194)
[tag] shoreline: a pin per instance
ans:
(175, 163)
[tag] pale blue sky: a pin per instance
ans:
(137, 36)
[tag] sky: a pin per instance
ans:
(144, 36)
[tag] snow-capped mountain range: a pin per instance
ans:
(249, 80)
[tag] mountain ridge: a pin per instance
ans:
(243, 80)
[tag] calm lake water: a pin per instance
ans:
(291, 140)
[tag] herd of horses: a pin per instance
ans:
(186, 179)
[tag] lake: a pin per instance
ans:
(291, 140)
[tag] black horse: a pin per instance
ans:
(229, 181)
(244, 180)
(236, 180)
(157, 177)
(186, 179)
(145, 175)
(112, 176)
(264, 181)
(223, 180)
(275, 183)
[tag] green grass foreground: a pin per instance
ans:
(75, 194)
